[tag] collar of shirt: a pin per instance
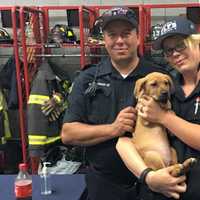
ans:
(106, 67)
(179, 91)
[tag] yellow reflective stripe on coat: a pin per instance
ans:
(3, 108)
(37, 99)
(6, 125)
(41, 140)
(2, 140)
(2, 101)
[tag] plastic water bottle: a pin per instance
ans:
(23, 183)
(45, 180)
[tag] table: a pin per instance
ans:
(65, 187)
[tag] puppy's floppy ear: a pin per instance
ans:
(139, 87)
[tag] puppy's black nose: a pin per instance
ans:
(163, 97)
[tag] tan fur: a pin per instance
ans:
(150, 139)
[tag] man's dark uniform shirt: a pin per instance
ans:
(188, 108)
(112, 94)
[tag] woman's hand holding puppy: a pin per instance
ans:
(150, 110)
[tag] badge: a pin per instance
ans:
(196, 105)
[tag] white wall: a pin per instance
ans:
(90, 2)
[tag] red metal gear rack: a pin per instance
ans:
(15, 45)
(82, 25)
(42, 16)
(31, 46)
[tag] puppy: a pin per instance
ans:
(150, 139)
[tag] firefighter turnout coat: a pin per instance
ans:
(42, 132)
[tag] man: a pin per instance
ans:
(101, 107)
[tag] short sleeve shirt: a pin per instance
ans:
(112, 94)
(188, 108)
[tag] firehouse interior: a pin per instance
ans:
(42, 50)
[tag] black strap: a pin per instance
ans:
(144, 174)
(91, 90)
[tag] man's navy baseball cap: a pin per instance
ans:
(178, 25)
(119, 13)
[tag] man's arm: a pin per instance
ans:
(84, 134)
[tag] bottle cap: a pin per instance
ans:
(23, 166)
(44, 169)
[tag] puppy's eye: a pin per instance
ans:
(166, 83)
(153, 84)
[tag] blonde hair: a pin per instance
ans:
(193, 40)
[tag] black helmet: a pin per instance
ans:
(4, 36)
(61, 33)
(155, 31)
(96, 31)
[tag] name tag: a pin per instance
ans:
(196, 105)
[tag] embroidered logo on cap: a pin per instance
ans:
(168, 27)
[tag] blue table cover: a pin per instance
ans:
(65, 187)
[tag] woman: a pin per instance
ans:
(181, 48)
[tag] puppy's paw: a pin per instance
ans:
(177, 170)
(181, 169)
